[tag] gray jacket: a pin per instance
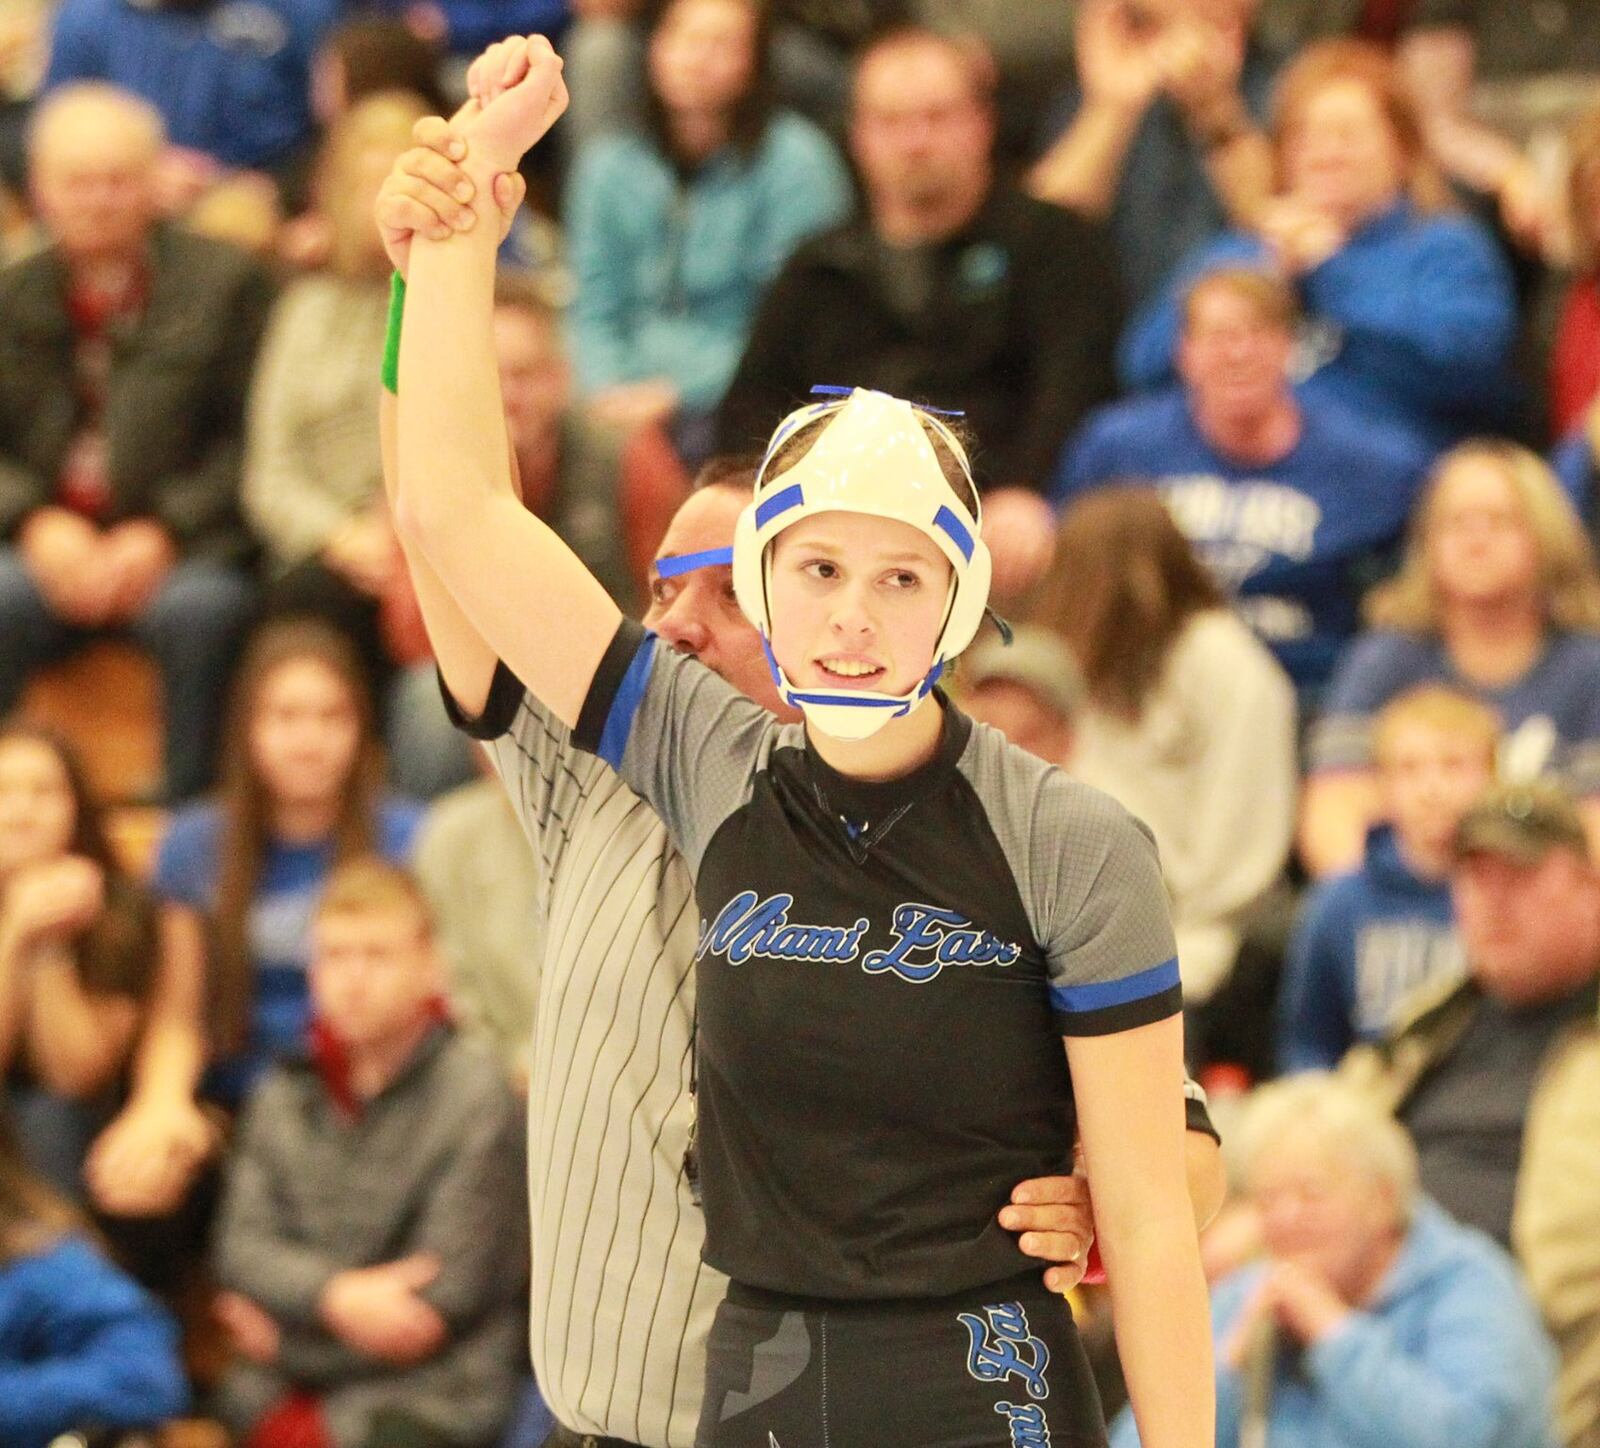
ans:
(434, 1163)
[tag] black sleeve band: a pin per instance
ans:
(499, 711)
(607, 681)
(1198, 1118)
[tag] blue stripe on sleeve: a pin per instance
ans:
(625, 704)
(1097, 996)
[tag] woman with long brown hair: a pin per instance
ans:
(1188, 722)
(81, 1346)
(1409, 309)
(1498, 596)
(238, 876)
(78, 950)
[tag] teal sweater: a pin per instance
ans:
(670, 270)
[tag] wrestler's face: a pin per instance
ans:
(696, 612)
(857, 601)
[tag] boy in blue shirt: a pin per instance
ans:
(1367, 940)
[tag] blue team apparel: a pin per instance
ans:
(1411, 323)
(82, 1346)
(885, 972)
(1294, 541)
(1365, 942)
(1000, 1365)
(232, 79)
(1552, 711)
(292, 876)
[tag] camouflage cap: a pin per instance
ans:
(1523, 822)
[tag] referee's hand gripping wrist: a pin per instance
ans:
(435, 188)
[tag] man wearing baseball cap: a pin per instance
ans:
(1461, 1068)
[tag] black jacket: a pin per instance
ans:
(175, 405)
(1019, 334)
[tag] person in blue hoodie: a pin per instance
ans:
(1291, 503)
(1373, 1319)
(1368, 940)
(1410, 309)
(81, 1345)
(677, 229)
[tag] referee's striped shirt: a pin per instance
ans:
(622, 1303)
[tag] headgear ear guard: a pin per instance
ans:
(874, 457)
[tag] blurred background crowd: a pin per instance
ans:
(1276, 326)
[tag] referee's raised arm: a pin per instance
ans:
(529, 598)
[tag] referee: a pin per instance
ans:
(621, 1301)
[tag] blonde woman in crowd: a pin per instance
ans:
(1374, 1318)
(1498, 597)
(313, 487)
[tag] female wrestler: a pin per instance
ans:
(895, 906)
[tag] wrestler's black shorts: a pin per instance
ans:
(996, 1367)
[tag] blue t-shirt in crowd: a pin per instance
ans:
(1365, 943)
(1412, 322)
(1293, 541)
(232, 79)
(1551, 714)
(1573, 461)
(279, 929)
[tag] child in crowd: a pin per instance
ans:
(81, 1346)
(239, 875)
(371, 1235)
(1368, 940)
(78, 948)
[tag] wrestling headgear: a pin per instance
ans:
(874, 456)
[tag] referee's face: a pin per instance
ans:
(696, 612)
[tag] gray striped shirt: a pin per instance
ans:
(621, 1302)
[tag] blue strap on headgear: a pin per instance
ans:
(674, 564)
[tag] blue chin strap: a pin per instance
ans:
(848, 698)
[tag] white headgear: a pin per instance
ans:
(873, 457)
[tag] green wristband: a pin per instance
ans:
(391, 342)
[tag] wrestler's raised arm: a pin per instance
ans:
(529, 599)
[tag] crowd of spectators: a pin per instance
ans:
(1276, 331)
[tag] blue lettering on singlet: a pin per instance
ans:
(925, 939)
(1027, 1424)
(1001, 1346)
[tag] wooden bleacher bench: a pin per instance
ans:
(107, 701)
